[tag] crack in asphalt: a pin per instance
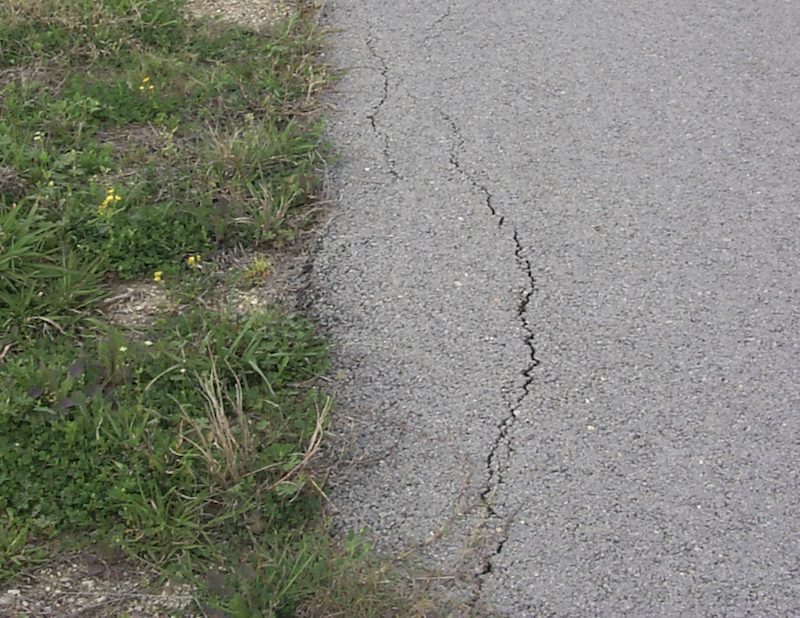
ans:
(501, 446)
(436, 22)
(477, 185)
(373, 115)
(522, 312)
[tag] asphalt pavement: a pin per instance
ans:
(564, 280)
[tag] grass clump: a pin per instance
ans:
(44, 283)
(137, 144)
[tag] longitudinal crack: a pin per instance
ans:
(501, 450)
(524, 264)
(373, 115)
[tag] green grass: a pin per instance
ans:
(136, 144)
(199, 131)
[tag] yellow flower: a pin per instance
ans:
(146, 85)
(158, 276)
(193, 261)
(110, 198)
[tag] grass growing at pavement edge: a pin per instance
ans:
(137, 145)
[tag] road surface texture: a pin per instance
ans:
(564, 279)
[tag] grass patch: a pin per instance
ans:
(230, 152)
(137, 144)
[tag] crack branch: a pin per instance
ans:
(373, 115)
(446, 15)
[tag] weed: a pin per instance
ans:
(255, 272)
